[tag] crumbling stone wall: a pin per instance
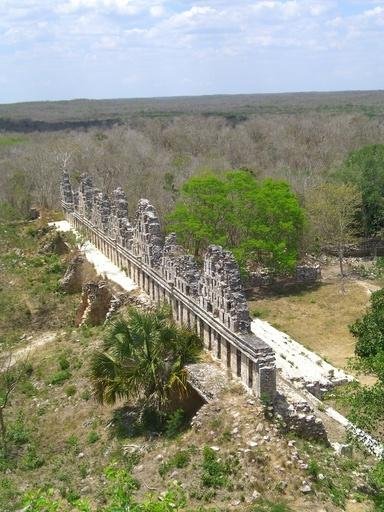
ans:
(211, 300)
(95, 303)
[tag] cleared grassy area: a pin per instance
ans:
(318, 317)
(11, 140)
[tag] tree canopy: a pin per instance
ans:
(366, 402)
(332, 210)
(258, 221)
(365, 168)
(142, 358)
(369, 332)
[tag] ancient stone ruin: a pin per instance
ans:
(209, 299)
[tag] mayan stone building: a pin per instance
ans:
(210, 299)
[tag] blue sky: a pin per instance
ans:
(63, 49)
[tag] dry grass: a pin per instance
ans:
(318, 317)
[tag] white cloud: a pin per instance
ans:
(151, 32)
(157, 11)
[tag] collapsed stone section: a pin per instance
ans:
(221, 292)
(147, 242)
(119, 226)
(66, 190)
(85, 196)
(179, 269)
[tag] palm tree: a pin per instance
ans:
(142, 358)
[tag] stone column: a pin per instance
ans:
(244, 369)
(256, 379)
(224, 351)
(267, 383)
(234, 361)
(206, 336)
(219, 346)
(214, 343)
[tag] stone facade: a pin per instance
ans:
(210, 300)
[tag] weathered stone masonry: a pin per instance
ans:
(209, 300)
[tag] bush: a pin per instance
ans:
(180, 460)
(268, 506)
(313, 469)
(63, 362)
(17, 431)
(93, 437)
(175, 423)
(215, 472)
(31, 459)
(70, 390)
(60, 377)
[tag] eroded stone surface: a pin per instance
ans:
(95, 304)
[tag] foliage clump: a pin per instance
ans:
(366, 403)
(258, 221)
(143, 358)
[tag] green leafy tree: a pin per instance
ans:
(10, 375)
(369, 332)
(366, 402)
(332, 210)
(259, 221)
(143, 359)
(365, 169)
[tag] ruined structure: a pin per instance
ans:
(209, 300)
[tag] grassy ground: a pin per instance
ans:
(317, 317)
(30, 298)
(233, 459)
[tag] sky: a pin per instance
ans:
(64, 49)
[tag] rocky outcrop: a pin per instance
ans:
(95, 304)
(78, 271)
(54, 243)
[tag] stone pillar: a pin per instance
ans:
(213, 347)
(244, 369)
(219, 346)
(256, 379)
(206, 336)
(267, 383)
(233, 361)
(224, 344)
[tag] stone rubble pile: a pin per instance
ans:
(299, 417)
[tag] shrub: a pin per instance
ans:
(63, 362)
(86, 395)
(215, 472)
(93, 437)
(31, 459)
(268, 506)
(60, 377)
(70, 390)
(180, 460)
(175, 423)
(17, 431)
(73, 443)
(313, 469)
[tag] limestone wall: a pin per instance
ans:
(209, 299)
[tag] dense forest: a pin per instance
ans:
(302, 142)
